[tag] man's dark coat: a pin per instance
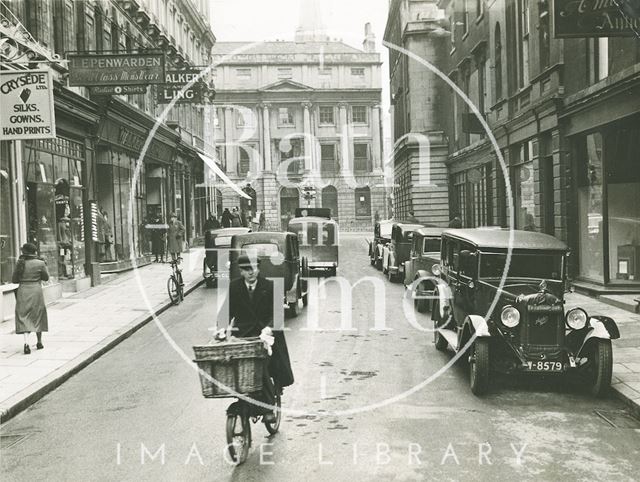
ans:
(251, 316)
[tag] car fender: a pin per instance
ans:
(291, 296)
(426, 277)
(598, 331)
(478, 325)
(609, 325)
(444, 298)
(392, 259)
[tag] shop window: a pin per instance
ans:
(589, 166)
(363, 201)
(459, 193)
(7, 230)
(522, 183)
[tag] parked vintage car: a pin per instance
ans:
(318, 242)
(214, 241)
(381, 237)
(425, 252)
(521, 325)
(279, 257)
(396, 252)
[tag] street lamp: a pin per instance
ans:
(308, 193)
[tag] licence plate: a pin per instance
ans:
(545, 366)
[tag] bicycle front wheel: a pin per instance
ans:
(238, 437)
(273, 427)
(173, 288)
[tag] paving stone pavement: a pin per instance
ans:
(83, 326)
(626, 350)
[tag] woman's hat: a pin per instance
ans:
(29, 248)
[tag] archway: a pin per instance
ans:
(330, 200)
(289, 202)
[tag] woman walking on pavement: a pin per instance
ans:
(31, 312)
(175, 236)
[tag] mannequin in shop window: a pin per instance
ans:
(108, 237)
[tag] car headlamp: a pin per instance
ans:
(576, 318)
(510, 316)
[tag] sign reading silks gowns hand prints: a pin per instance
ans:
(26, 100)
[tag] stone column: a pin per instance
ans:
(376, 148)
(345, 161)
(308, 145)
(266, 134)
(229, 146)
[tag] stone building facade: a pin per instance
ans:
(299, 116)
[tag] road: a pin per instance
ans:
(137, 412)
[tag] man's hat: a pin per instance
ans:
(244, 261)
(29, 249)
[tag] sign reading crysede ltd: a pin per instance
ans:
(27, 110)
(116, 69)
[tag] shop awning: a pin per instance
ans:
(220, 173)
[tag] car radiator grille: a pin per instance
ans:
(543, 328)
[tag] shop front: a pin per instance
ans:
(607, 178)
(129, 195)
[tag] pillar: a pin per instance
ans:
(266, 136)
(308, 145)
(230, 148)
(376, 150)
(345, 160)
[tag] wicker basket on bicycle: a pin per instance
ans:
(237, 364)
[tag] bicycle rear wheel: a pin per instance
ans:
(273, 427)
(238, 437)
(174, 290)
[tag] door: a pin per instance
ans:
(467, 274)
(289, 202)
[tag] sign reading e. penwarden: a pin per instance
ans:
(116, 69)
(596, 18)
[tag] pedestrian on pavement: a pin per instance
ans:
(236, 222)
(158, 237)
(226, 218)
(175, 236)
(376, 217)
(31, 312)
(243, 218)
(412, 218)
(456, 222)
(211, 223)
(251, 312)
(262, 221)
(108, 236)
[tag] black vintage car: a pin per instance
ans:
(381, 237)
(425, 252)
(279, 256)
(214, 241)
(509, 314)
(396, 252)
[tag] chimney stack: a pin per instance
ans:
(369, 44)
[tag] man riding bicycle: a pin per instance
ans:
(251, 311)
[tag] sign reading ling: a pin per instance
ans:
(27, 109)
(116, 69)
(596, 18)
(176, 80)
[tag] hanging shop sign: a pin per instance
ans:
(119, 90)
(596, 18)
(27, 109)
(116, 69)
(176, 80)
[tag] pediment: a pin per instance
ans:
(286, 85)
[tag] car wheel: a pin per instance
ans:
(390, 276)
(422, 306)
(479, 366)
(372, 256)
(600, 367)
(385, 270)
(378, 263)
(293, 309)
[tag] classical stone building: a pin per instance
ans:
(298, 114)
(420, 147)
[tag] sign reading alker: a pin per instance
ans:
(175, 87)
(116, 69)
(596, 18)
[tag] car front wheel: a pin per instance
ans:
(600, 367)
(479, 366)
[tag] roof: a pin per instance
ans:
(229, 231)
(285, 47)
(430, 231)
(264, 236)
(409, 226)
(499, 238)
(312, 219)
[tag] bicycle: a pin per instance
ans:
(240, 413)
(175, 283)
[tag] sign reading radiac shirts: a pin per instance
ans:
(27, 110)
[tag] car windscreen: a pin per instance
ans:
(523, 265)
(431, 245)
(307, 237)
(261, 249)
